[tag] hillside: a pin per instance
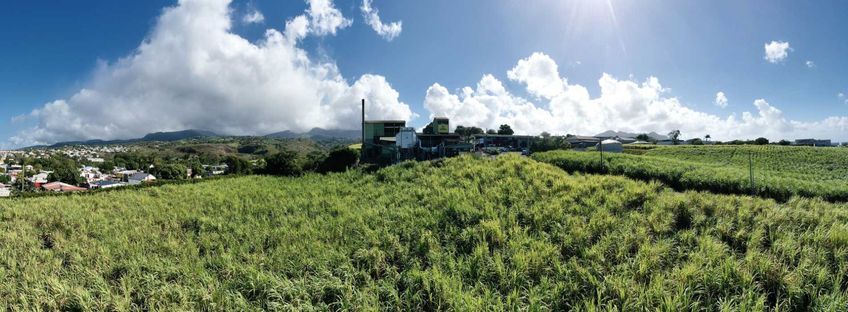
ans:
(464, 233)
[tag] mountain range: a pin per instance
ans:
(622, 134)
(315, 133)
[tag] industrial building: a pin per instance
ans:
(391, 141)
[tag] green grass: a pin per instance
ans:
(779, 172)
(463, 234)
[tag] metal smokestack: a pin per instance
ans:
(362, 146)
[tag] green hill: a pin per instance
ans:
(461, 234)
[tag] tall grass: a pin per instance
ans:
(779, 172)
(462, 234)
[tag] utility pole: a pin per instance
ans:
(601, 148)
(751, 172)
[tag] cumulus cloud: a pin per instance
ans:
(193, 72)
(325, 18)
(253, 17)
(810, 64)
(623, 105)
(777, 51)
(721, 100)
(387, 31)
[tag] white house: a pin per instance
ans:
(140, 177)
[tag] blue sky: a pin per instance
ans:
(54, 50)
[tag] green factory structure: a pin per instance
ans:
(391, 141)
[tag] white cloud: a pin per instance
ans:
(253, 17)
(623, 105)
(325, 18)
(777, 51)
(721, 100)
(193, 72)
(842, 97)
(810, 64)
(387, 31)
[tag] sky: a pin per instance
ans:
(98, 69)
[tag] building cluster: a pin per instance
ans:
(93, 178)
(390, 141)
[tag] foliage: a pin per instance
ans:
(645, 138)
(780, 172)
(4, 179)
(674, 136)
(546, 142)
(170, 171)
(505, 130)
(761, 141)
(65, 170)
(339, 160)
(467, 132)
(284, 163)
(237, 165)
(503, 234)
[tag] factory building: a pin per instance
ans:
(391, 141)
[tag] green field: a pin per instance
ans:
(462, 234)
(780, 172)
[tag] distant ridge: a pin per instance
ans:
(179, 135)
(317, 133)
(150, 137)
(622, 134)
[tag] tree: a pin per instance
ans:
(339, 160)
(784, 142)
(505, 130)
(697, 141)
(65, 171)
(467, 132)
(675, 136)
(546, 142)
(4, 179)
(283, 163)
(196, 169)
(169, 171)
(707, 137)
(491, 131)
(237, 165)
(107, 166)
(643, 137)
(761, 141)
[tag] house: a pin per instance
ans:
(40, 178)
(61, 187)
(104, 184)
(578, 141)
(140, 177)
